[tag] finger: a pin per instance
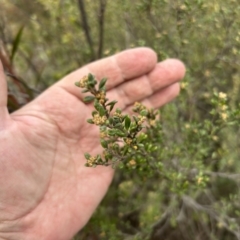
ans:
(3, 96)
(163, 96)
(126, 65)
(164, 74)
(121, 67)
(160, 98)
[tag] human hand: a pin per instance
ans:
(46, 191)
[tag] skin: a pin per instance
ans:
(46, 191)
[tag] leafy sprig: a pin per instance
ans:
(121, 136)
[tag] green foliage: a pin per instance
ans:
(120, 135)
(190, 176)
(186, 172)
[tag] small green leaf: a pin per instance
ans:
(133, 129)
(127, 122)
(96, 104)
(77, 84)
(99, 108)
(108, 156)
(90, 121)
(140, 145)
(104, 144)
(98, 159)
(102, 83)
(90, 85)
(111, 104)
(144, 113)
(135, 119)
(85, 90)
(111, 108)
(141, 137)
(87, 156)
(102, 111)
(120, 133)
(118, 125)
(125, 150)
(91, 81)
(103, 128)
(111, 121)
(88, 99)
(111, 132)
(91, 78)
(94, 113)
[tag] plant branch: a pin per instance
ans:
(86, 27)
(102, 9)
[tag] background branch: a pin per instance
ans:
(102, 8)
(86, 27)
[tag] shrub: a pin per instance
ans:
(195, 142)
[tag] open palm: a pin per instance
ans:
(46, 191)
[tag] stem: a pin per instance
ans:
(86, 28)
(102, 9)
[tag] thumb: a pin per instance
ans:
(3, 97)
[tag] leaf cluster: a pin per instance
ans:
(121, 136)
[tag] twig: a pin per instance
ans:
(86, 27)
(102, 9)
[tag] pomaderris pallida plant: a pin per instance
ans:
(122, 137)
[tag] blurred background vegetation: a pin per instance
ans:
(43, 40)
